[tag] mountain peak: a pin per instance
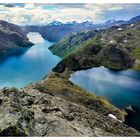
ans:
(55, 23)
(71, 23)
(110, 21)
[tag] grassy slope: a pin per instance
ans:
(136, 53)
(59, 85)
(116, 47)
(68, 45)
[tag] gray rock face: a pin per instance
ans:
(29, 112)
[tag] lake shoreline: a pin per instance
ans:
(129, 116)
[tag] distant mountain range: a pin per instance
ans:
(134, 19)
(57, 30)
(13, 36)
(106, 24)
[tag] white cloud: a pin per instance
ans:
(36, 14)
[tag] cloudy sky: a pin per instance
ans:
(33, 14)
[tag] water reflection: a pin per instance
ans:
(31, 65)
(122, 88)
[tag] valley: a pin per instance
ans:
(68, 79)
(29, 65)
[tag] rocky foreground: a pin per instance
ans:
(64, 110)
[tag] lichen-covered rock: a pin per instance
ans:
(14, 119)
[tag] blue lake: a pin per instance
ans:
(29, 66)
(121, 88)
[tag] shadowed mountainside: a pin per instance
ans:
(12, 37)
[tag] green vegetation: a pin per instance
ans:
(136, 53)
(116, 48)
(94, 56)
(72, 42)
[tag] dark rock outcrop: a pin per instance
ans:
(132, 117)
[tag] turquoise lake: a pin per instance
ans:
(29, 64)
(121, 88)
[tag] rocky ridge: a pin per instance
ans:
(37, 111)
